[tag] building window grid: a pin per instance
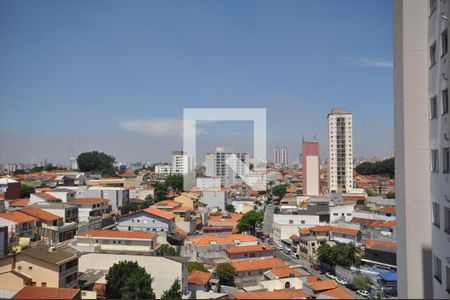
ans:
(444, 101)
(436, 215)
(433, 107)
(437, 272)
(446, 160)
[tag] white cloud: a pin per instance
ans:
(162, 127)
(371, 62)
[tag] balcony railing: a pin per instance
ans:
(70, 284)
(68, 271)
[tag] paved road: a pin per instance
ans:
(268, 220)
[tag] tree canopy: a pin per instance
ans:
(127, 280)
(26, 190)
(249, 221)
(174, 292)
(167, 250)
(279, 190)
(385, 167)
(196, 266)
(362, 282)
(225, 272)
(229, 208)
(97, 162)
(341, 254)
(173, 183)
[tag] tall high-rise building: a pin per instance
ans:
(422, 126)
(229, 173)
(179, 163)
(280, 156)
(340, 151)
(311, 167)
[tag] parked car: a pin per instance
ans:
(279, 247)
(295, 255)
(341, 281)
(316, 267)
(363, 293)
(329, 275)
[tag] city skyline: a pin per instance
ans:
(88, 89)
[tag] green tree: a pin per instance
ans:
(138, 286)
(127, 280)
(229, 208)
(196, 266)
(390, 195)
(341, 254)
(167, 250)
(362, 282)
(19, 172)
(128, 207)
(249, 221)
(276, 210)
(385, 168)
(279, 190)
(26, 190)
(160, 191)
(326, 255)
(98, 162)
(175, 182)
(225, 272)
(369, 193)
(174, 292)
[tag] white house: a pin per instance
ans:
(341, 212)
(149, 220)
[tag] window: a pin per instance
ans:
(44, 284)
(30, 268)
(433, 6)
(448, 279)
(433, 55)
(445, 101)
(437, 268)
(287, 285)
(19, 268)
(433, 107)
(445, 160)
(291, 221)
(434, 161)
(436, 215)
(444, 42)
(447, 219)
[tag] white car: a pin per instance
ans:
(341, 281)
(295, 255)
(363, 293)
(329, 275)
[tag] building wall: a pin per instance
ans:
(311, 168)
(412, 149)
(115, 244)
(142, 221)
(341, 211)
(214, 199)
(40, 271)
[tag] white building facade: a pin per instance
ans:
(421, 72)
(227, 165)
(340, 151)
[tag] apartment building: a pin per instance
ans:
(311, 167)
(340, 151)
(227, 165)
(421, 73)
(151, 220)
(48, 267)
(280, 156)
(19, 224)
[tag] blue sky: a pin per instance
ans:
(115, 76)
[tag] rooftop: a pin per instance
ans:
(34, 292)
(223, 240)
(199, 277)
(40, 214)
(285, 272)
(88, 201)
(322, 285)
(245, 249)
(276, 294)
(17, 217)
(57, 256)
(119, 234)
(160, 213)
(259, 264)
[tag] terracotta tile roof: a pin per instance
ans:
(40, 214)
(387, 210)
(320, 228)
(34, 292)
(345, 231)
(246, 249)
(19, 202)
(17, 217)
(385, 224)
(290, 196)
(45, 196)
(259, 264)
(182, 209)
(311, 278)
(233, 217)
(88, 201)
(293, 237)
(160, 213)
(119, 234)
(43, 189)
(353, 198)
(338, 293)
(285, 272)
(322, 285)
(181, 231)
(371, 243)
(223, 240)
(199, 277)
(362, 221)
(167, 203)
(276, 294)
(304, 231)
